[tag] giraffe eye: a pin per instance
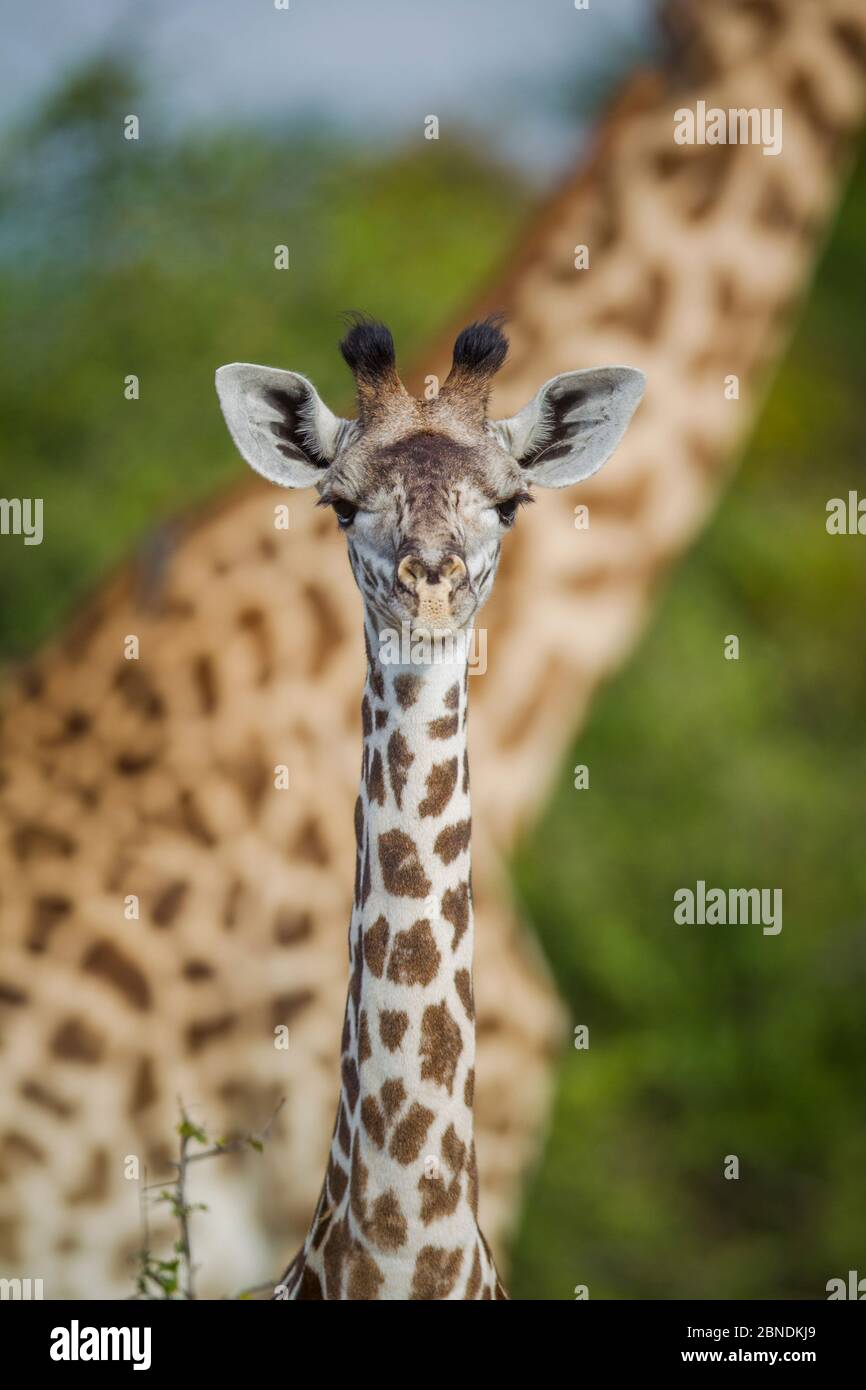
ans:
(346, 511)
(507, 511)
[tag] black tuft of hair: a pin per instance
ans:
(368, 348)
(482, 347)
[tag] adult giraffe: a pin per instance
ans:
(152, 777)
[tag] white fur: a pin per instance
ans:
(612, 396)
(241, 388)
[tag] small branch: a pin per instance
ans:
(255, 1141)
(164, 1273)
(144, 1252)
(230, 1146)
(182, 1210)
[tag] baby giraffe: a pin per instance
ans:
(425, 492)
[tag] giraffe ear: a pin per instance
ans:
(279, 423)
(572, 426)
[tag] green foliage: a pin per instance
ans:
(715, 1040)
(158, 1278)
(187, 1130)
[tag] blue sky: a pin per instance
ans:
(508, 68)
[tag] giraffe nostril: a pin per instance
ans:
(422, 579)
(453, 569)
(410, 572)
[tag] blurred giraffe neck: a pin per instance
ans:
(698, 255)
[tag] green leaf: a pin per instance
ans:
(187, 1130)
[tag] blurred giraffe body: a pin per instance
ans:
(155, 777)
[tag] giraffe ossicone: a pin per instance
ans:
(425, 492)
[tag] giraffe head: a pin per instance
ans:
(425, 490)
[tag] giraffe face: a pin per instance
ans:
(425, 490)
(424, 517)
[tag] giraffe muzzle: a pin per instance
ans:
(433, 586)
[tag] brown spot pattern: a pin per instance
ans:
(337, 1181)
(453, 1150)
(441, 781)
(446, 727)
(365, 1278)
(441, 1045)
(291, 926)
(437, 1199)
(373, 1120)
(436, 1271)
(144, 1091)
(48, 913)
(392, 1094)
(309, 843)
(311, 1287)
(40, 1095)
(351, 1084)
(474, 1281)
(455, 909)
(387, 1225)
(409, 1134)
(366, 878)
(111, 965)
(376, 780)
(453, 840)
(399, 762)
(376, 946)
(344, 1134)
(286, 1007)
(364, 1048)
(469, 1088)
(198, 1035)
(472, 1180)
(463, 985)
(414, 956)
(406, 689)
(74, 1041)
(402, 873)
(392, 1025)
(94, 1184)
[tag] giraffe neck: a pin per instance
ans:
(397, 1217)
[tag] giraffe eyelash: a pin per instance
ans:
(345, 510)
(508, 508)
